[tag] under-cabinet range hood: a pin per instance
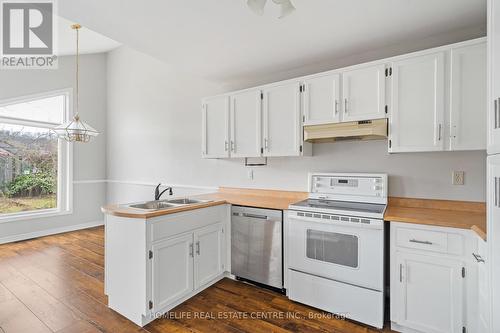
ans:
(355, 130)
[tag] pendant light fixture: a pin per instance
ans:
(257, 6)
(76, 130)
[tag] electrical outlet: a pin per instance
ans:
(458, 177)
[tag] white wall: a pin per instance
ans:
(89, 159)
(154, 126)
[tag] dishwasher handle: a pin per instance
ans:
(255, 216)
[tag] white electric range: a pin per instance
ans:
(336, 246)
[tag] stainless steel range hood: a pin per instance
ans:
(356, 130)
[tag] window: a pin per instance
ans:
(34, 164)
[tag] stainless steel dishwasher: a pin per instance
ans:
(257, 245)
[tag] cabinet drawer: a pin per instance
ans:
(167, 226)
(429, 240)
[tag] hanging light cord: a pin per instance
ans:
(77, 28)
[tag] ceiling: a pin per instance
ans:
(223, 41)
(90, 41)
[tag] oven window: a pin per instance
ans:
(332, 247)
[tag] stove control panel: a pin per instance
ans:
(349, 187)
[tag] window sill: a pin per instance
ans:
(33, 215)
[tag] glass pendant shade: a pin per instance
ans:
(75, 131)
(257, 6)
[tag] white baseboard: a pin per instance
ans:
(48, 232)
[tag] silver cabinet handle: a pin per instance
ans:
(226, 145)
(336, 107)
(401, 273)
(345, 105)
(198, 247)
(497, 192)
(232, 145)
(478, 258)
(191, 250)
(439, 131)
(495, 113)
(266, 143)
(420, 242)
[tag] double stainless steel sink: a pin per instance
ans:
(165, 204)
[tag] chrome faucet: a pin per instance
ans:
(158, 194)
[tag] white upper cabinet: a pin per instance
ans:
(363, 93)
(435, 99)
(417, 104)
(281, 120)
(494, 72)
(322, 100)
(215, 127)
(246, 117)
(468, 97)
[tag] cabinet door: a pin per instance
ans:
(493, 232)
(364, 93)
(172, 270)
(322, 99)
(483, 287)
(429, 293)
(417, 104)
(282, 125)
(246, 124)
(208, 254)
(215, 129)
(494, 79)
(468, 98)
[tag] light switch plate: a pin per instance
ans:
(458, 178)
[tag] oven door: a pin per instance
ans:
(349, 252)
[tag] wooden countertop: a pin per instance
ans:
(443, 213)
(271, 199)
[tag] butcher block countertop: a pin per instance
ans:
(442, 213)
(236, 196)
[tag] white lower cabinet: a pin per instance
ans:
(433, 279)
(153, 265)
(208, 254)
(172, 255)
(429, 293)
(184, 263)
(484, 290)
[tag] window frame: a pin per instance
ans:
(64, 156)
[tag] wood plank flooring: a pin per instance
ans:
(56, 284)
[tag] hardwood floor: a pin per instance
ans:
(56, 284)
